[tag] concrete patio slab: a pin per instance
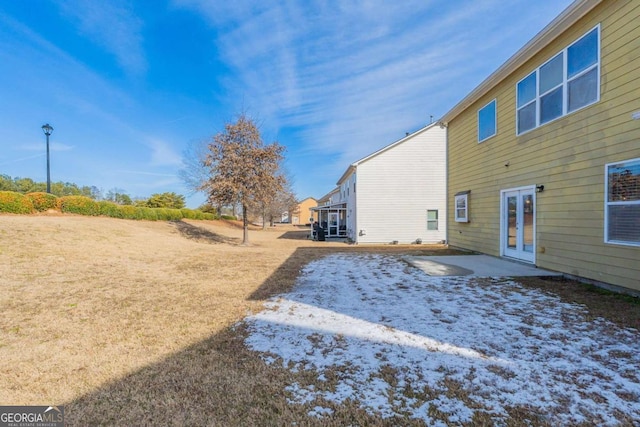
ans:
(475, 266)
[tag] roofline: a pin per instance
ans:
(328, 195)
(553, 30)
(347, 173)
(339, 205)
(307, 198)
(355, 164)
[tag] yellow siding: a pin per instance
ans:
(568, 156)
(303, 213)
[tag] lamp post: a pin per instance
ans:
(47, 129)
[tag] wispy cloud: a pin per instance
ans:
(332, 70)
(146, 173)
(354, 76)
(21, 159)
(53, 146)
(89, 98)
(162, 153)
(114, 26)
(87, 93)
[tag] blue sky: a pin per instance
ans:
(129, 85)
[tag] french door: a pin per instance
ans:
(518, 223)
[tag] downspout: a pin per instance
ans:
(446, 181)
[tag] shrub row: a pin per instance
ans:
(15, 203)
(43, 201)
(12, 202)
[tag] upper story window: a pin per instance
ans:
(487, 121)
(567, 82)
(622, 203)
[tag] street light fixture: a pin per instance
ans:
(47, 129)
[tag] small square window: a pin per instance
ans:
(461, 207)
(432, 220)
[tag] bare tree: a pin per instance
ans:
(273, 207)
(242, 169)
(194, 172)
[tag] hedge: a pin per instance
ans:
(167, 214)
(43, 201)
(188, 213)
(197, 214)
(149, 214)
(13, 202)
(128, 212)
(79, 205)
(110, 209)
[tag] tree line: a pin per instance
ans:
(169, 200)
(60, 189)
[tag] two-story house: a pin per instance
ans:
(544, 155)
(397, 194)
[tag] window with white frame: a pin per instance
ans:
(622, 203)
(567, 82)
(487, 121)
(461, 207)
(432, 219)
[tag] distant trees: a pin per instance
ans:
(118, 196)
(166, 200)
(242, 170)
(273, 208)
(28, 185)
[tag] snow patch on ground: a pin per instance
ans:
(407, 344)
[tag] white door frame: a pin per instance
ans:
(519, 253)
(332, 216)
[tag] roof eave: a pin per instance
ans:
(553, 30)
(352, 167)
(347, 173)
(328, 195)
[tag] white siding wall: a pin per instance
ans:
(352, 207)
(335, 198)
(396, 187)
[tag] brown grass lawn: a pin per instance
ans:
(131, 322)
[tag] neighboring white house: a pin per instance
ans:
(397, 194)
(331, 214)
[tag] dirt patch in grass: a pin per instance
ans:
(623, 310)
(131, 322)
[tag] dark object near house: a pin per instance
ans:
(320, 233)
